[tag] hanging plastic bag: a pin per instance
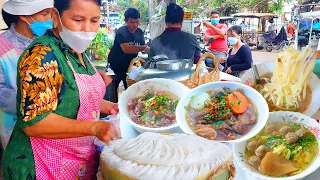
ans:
(135, 72)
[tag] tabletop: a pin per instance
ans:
(128, 131)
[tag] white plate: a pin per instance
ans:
(267, 67)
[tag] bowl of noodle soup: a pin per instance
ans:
(282, 159)
(293, 81)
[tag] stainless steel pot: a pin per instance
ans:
(172, 65)
(178, 75)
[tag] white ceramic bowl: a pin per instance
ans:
(267, 67)
(280, 116)
(255, 96)
(158, 84)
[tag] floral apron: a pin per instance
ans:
(72, 158)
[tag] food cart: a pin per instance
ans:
(252, 34)
(311, 34)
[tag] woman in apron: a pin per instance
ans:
(26, 20)
(59, 97)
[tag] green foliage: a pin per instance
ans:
(101, 43)
(202, 8)
(141, 5)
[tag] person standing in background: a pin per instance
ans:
(26, 19)
(291, 29)
(186, 48)
(128, 42)
(217, 33)
(59, 100)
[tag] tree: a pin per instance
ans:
(141, 5)
(228, 7)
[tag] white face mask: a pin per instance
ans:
(78, 41)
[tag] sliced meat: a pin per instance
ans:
(170, 115)
(139, 107)
(131, 104)
(240, 127)
(227, 90)
(228, 134)
(133, 116)
(201, 126)
(236, 126)
(217, 91)
(239, 90)
(206, 131)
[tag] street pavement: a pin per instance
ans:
(260, 56)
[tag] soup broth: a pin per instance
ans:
(290, 144)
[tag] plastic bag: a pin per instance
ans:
(115, 122)
(135, 71)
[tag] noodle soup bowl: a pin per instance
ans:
(156, 84)
(239, 149)
(256, 98)
(267, 67)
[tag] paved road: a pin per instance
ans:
(263, 56)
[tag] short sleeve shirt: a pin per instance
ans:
(46, 84)
(119, 61)
(221, 44)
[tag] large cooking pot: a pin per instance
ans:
(161, 67)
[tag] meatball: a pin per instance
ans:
(301, 132)
(285, 129)
(254, 161)
(291, 138)
(270, 128)
(253, 145)
(261, 151)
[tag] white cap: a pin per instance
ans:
(26, 7)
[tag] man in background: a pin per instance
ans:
(173, 42)
(128, 42)
(217, 34)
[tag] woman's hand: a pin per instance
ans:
(109, 108)
(107, 79)
(229, 71)
(106, 131)
(222, 60)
